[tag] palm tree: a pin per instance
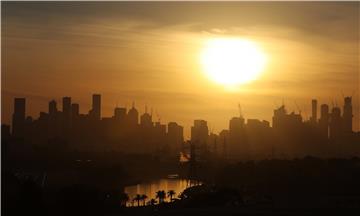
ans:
(170, 194)
(161, 195)
(137, 198)
(124, 198)
(152, 202)
(143, 198)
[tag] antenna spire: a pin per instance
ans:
(240, 110)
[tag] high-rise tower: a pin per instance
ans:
(335, 123)
(347, 115)
(314, 111)
(96, 106)
(133, 116)
(324, 120)
(52, 108)
(18, 120)
(66, 112)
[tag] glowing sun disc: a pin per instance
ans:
(232, 61)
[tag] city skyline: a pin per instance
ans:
(156, 116)
(180, 108)
(153, 57)
(330, 125)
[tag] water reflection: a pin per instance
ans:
(150, 188)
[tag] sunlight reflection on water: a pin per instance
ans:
(150, 188)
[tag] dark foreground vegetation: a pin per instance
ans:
(308, 186)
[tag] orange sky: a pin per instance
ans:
(150, 53)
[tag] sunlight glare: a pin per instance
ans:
(232, 61)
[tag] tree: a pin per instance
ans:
(170, 194)
(152, 202)
(137, 198)
(124, 198)
(161, 195)
(143, 198)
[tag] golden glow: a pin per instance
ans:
(232, 61)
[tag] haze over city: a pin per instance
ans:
(180, 108)
(142, 53)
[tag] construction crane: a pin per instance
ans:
(305, 113)
(211, 128)
(158, 116)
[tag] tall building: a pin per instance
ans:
(66, 106)
(75, 110)
(54, 125)
(18, 118)
(52, 108)
(199, 132)
(212, 143)
(335, 123)
(133, 116)
(279, 116)
(283, 121)
(159, 133)
(96, 106)
(120, 114)
(223, 140)
(175, 135)
(347, 115)
(236, 124)
(237, 137)
(313, 118)
(146, 120)
(324, 120)
(66, 112)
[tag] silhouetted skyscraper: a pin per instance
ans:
(175, 135)
(237, 136)
(347, 115)
(66, 112)
(18, 120)
(279, 116)
(324, 120)
(335, 123)
(314, 111)
(133, 116)
(52, 108)
(120, 114)
(199, 132)
(283, 121)
(159, 132)
(96, 106)
(66, 105)
(223, 138)
(236, 124)
(324, 114)
(75, 110)
(146, 120)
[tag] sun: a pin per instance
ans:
(231, 61)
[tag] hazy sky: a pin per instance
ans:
(149, 53)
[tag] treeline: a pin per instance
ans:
(307, 181)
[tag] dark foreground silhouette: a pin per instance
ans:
(67, 163)
(287, 187)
